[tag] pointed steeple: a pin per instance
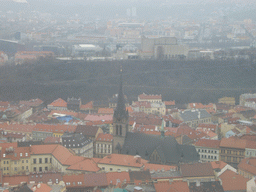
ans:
(162, 129)
(120, 111)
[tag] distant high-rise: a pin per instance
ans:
(128, 12)
(134, 12)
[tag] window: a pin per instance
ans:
(46, 160)
(46, 168)
(26, 161)
(20, 154)
(40, 169)
(79, 183)
(7, 168)
(34, 161)
(15, 168)
(228, 151)
(111, 169)
(57, 181)
(228, 158)
(34, 169)
(198, 150)
(50, 160)
(103, 168)
(40, 160)
(26, 154)
(26, 167)
(7, 162)
(4, 162)
(22, 167)
(3, 155)
(67, 183)
(74, 183)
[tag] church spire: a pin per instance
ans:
(120, 111)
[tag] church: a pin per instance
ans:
(155, 148)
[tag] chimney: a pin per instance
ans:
(138, 159)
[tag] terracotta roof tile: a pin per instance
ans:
(208, 143)
(58, 103)
(42, 187)
(248, 165)
(233, 142)
(232, 181)
(118, 178)
(86, 165)
(157, 167)
(15, 179)
(218, 164)
(87, 106)
(32, 102)
(124, 160)
(105, 111)
(196, 170)
(104, 137)
(169, 103)
(176, 186)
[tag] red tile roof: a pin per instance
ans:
(208, 143)
(58, 103)
(218, 164)
(124, 160)
(87, 180)
(196, 170)
(87, 165)
(248, 165)
(87, 106)
(157, 167)
(232, 181)
(32, 102)
(169, 102)
(41, 187)
(118, 178)
(105, 111)
(233, 142)
(176, 186)
(52, 140)
(104, 137)
(15, 179)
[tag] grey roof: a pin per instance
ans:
(168, 148)
(140, 175)
(74, 140)
(29, 143)
(190, 115)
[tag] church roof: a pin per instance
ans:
(120, 111)
(168, 148)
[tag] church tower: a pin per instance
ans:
(120, 120)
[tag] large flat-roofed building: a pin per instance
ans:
(162, 48)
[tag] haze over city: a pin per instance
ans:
(127, 96)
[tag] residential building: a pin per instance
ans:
(74, 104)
(197, 172)
(58, 104)
(232, 150)
(193, 117)
(208, 149)
(247, 167)
(231, 181)
(103, 145)
(162, 48)
(243, 97)
(227, 100)
(85, 182)
(150, 98)
(89, 131)
(80, 144)
(14, 159)
(120, 162)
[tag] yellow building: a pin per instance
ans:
(227, 100)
